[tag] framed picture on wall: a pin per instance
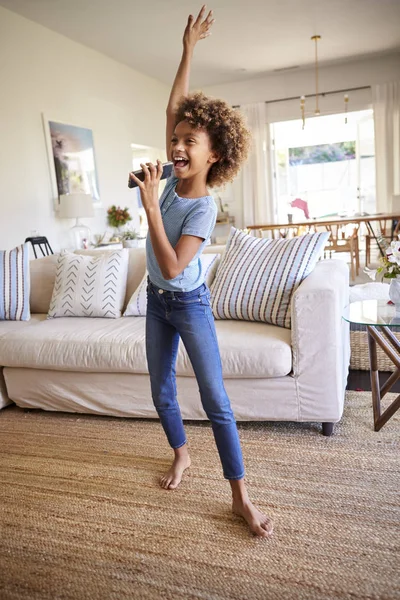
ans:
(71, 160)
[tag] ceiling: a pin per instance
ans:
(250, 38)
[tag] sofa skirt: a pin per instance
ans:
(128, 395)
(4, 399)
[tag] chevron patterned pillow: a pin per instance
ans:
(257, 277)
(89, 286)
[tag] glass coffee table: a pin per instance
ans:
(379, 317)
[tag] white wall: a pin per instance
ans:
(351, 74)
(44, 72)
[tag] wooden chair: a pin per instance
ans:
(278, 233)
(341, 240)
(385, 231)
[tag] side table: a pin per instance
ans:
(378, 316)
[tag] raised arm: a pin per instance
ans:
(194, 31)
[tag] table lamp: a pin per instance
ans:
(75, 206)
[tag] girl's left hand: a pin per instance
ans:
(149, 186)
(197, 29)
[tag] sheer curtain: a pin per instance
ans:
(386, 104)
(257, 198)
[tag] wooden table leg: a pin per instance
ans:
(374, 375)
(375, 336)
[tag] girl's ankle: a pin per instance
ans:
(181, 452)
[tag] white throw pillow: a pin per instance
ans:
(369, 291)
(257, 277)
(137, 305)
(89, 286)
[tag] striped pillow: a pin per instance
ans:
(257, 277)
(14, 284)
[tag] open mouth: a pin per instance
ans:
(180, 163)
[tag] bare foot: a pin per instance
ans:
(173, 476)
(259, 523)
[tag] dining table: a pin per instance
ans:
(308, 224)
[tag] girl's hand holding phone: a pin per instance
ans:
(150, 184)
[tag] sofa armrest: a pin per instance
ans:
(321, 341)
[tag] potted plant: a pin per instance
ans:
(390, 268)
(118, 217)
(130, 238)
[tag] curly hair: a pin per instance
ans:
(229, 136)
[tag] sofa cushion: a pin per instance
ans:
(43, 274)
(137, 306)
(7, 327)
(118, 345)
(89, 286)
(257, 277)
(14, 284)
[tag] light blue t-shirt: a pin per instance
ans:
(182, 216)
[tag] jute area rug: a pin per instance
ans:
(82, 516)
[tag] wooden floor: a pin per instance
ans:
(359, 380)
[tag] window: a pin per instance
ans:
(328, 167)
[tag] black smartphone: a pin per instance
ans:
(167, 170)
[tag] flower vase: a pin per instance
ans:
(117, 234)
(394, 293)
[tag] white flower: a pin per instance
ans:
(395, 252)
(371, 273)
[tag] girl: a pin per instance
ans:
(207, 141)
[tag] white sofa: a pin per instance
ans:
(99, 365)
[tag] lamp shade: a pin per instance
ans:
(76, 205)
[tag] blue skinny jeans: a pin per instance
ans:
(171, 315)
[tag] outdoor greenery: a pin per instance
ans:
(307, 155)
